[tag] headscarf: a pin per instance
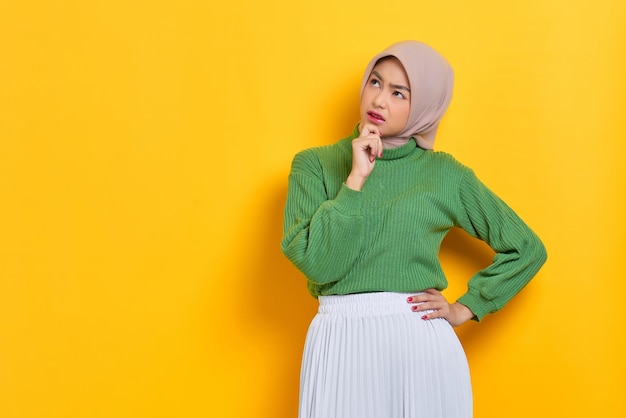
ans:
(431, 79)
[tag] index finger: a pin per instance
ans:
(368, 129)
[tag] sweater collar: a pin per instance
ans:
(401, 151)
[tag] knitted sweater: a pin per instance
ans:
(387, 236)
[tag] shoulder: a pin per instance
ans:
(445, 158)
(443, 164)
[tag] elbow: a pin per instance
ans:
(536, 253)
(530, 252)
(317, 273)
(542, 254)
(539, 250)
(299, 258)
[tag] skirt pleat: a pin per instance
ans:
(369, 356)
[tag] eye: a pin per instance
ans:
(375, 82)
(399, 94)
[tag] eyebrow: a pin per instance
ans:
(395, 86)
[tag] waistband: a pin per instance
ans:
(377, 302)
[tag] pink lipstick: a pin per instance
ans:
(377, 118)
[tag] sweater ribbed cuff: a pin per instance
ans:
(477, 304)
(348, 201)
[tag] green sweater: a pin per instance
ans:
(387, 236)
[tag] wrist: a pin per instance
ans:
(462, 313)
(355, 182)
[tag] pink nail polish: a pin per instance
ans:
(425, 317)
(409, 299)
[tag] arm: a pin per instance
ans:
(519, 252)
(321, 234)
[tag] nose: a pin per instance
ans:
(380, 100)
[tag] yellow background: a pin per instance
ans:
(144, 149)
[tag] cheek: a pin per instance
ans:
(366, 95)
(363, 99)
(405, 111)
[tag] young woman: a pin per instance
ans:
(364, 221)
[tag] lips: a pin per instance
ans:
(375, 117)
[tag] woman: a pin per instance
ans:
(364, 221)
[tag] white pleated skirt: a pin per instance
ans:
(369, 356)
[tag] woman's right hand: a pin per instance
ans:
(365, 149)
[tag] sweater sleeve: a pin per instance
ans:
(321, 233)
(519, 252)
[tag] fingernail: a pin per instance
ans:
(414, 308)
(425, 317)
(409, 299)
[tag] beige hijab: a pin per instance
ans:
(431, 79)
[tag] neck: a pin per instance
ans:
(394, 142)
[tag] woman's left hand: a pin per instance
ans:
(432, 299)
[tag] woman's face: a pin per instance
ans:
(386, 97)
